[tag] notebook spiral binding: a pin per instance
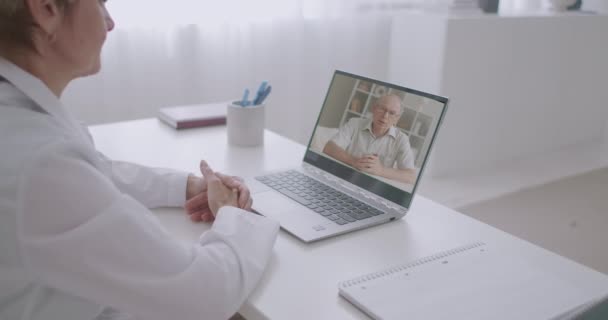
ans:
(403, 267)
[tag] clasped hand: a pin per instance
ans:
(369, 163)
(206, 195)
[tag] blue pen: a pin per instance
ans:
(261, 90)
(265, 94)
(244, 102)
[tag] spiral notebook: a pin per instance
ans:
(475, 281)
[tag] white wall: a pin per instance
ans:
(337, 101)
(432, 108)
(522, 6)
(505, 60)
(600, 6)
(596, 5)
(517, 86)
(144, 70)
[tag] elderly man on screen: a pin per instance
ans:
(376, 146)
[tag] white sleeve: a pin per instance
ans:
(154, 187)
(344, 136)
(80, 234)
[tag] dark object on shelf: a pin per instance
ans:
(489, 6)
(364, 86)
(576, 6)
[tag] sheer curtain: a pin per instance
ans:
(177, 52)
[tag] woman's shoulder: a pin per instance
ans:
(16, 119)
(23, 128)
(25, 133)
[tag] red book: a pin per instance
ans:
(200, 115)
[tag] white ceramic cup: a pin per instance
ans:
(245, 125)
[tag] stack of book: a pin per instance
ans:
(191, 116)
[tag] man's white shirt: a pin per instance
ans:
(76, 233)
(393, 148)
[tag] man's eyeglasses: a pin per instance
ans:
(382, 111)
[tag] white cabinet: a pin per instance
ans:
(517, 85)
(527, 98)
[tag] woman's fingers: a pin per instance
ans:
(237, 183)
(207, 217)
(207, 172)
(196, 202)
(196, 217)
(244, 196)
(203, 215)
(228, 181)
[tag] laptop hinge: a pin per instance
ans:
(357, 190)
(368, 195)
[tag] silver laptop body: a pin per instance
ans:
(295, 197)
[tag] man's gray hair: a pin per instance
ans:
(401, 104)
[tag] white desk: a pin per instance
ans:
(301, 279)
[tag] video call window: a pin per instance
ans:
(377, 130)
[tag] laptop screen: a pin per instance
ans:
(376, 135)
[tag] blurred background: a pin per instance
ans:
(522, 146)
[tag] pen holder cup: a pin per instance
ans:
(245, 125)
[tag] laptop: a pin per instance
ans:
(362, 164)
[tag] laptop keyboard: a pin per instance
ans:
(322, 199)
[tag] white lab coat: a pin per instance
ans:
(76, 233)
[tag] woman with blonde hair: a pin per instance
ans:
(77, 239)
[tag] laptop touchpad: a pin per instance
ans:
(289, 213)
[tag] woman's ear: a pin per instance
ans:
(46, 14)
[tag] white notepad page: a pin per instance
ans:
(470, 282)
